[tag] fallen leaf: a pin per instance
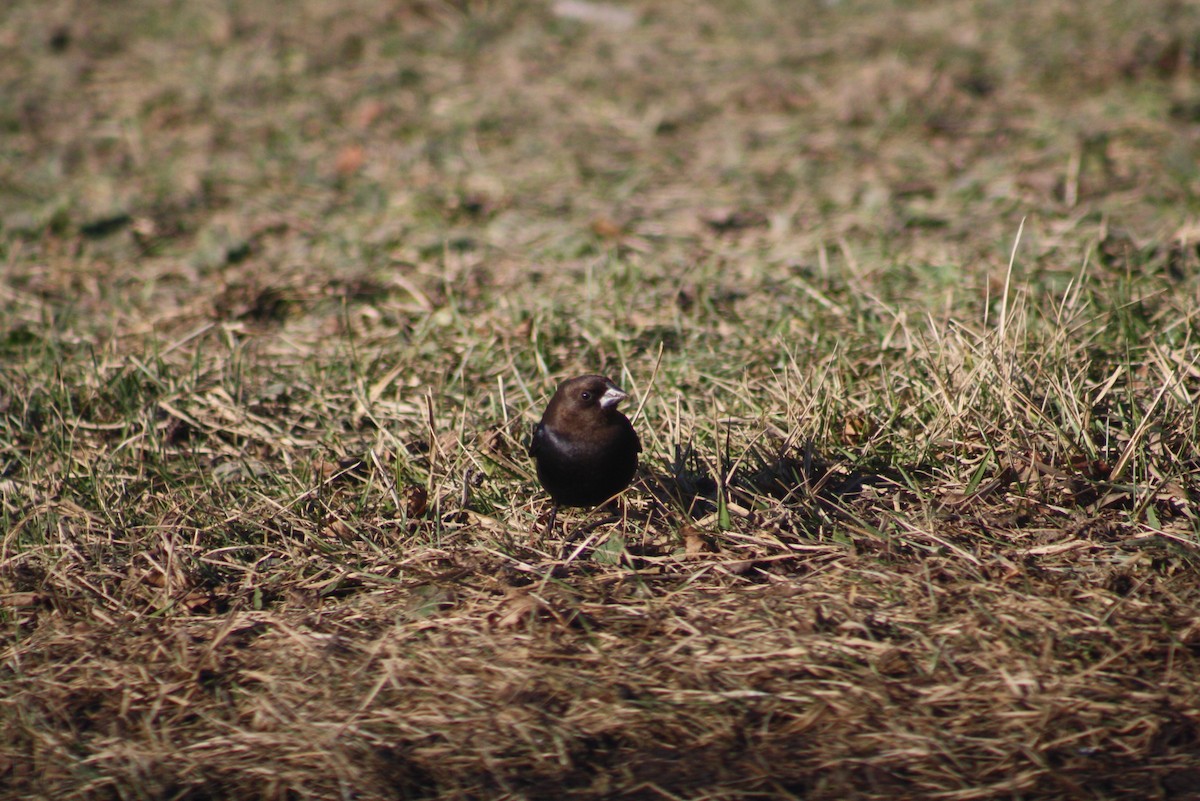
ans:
(696, 541)
(516, 609)
(349, 160)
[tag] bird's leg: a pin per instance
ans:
(534, 535)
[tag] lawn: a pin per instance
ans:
(906, 296)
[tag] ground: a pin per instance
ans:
(906, 296)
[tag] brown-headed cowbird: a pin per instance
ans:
(586, 450)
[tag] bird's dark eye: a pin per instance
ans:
(587, 396)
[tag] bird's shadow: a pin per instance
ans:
(691, 487)
(765, 485)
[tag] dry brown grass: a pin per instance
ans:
(910, 293)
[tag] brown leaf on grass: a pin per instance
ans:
(893, 662)
(607, 228)
(338, 471)
(251, 302)
(367, 112)
(739, 567)
(857, 427)
(1091, 468)
(729, 220)
(324, 468)
(430, 599)
(493, 442)
(447, 441)
(985, 490)
(522, 330)
(349, 160)
(338, 530)
(21, 600)
(696, 541)
(197, 601)
(416, 500)
(517, 609)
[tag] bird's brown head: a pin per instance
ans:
(585, 401)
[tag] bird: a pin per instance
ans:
(586, 450)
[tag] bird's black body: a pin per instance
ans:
(586, 450)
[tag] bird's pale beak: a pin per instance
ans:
(611, 397)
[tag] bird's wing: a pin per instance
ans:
(535, 442)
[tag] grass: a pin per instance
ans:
(906, 294)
